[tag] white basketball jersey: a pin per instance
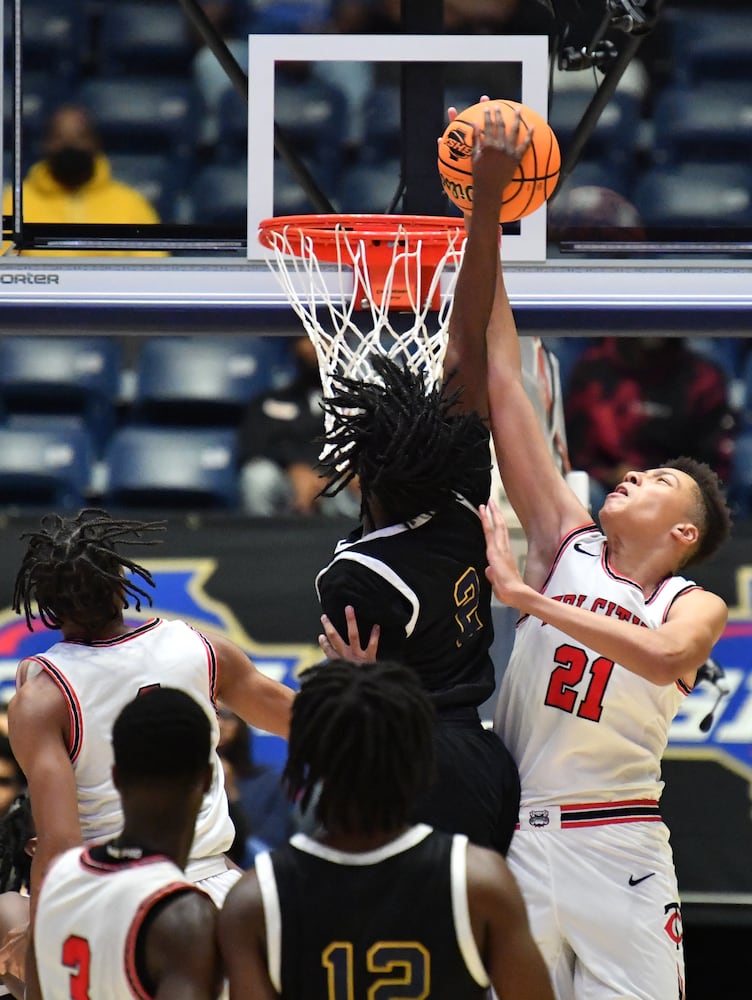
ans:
(581, 727)
(97, 679)
(88, 919)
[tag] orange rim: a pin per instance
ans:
(378, 232)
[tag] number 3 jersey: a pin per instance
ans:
(582, 728)
(92, 909)
(391, 922)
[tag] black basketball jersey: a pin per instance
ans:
(391, 923)
(423, 582)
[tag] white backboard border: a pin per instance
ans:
(264, 51)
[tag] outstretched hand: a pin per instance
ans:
(502, 572)
(334, 646)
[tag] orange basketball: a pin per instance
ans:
(534, 179)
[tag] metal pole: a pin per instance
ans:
(17, 126)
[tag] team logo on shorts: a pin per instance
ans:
(539, 818)
(673, 925)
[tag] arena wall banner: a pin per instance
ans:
(252, 581)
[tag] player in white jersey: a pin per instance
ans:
(76, 575)
(609, 641)
(119, 920)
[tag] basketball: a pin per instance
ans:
(534, 179)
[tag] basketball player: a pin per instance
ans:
(372, 906)
(119, 918)
(609, 641)
(61, 716)
(415, 566)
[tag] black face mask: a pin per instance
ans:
(71, 167)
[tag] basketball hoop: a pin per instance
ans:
(397, 262)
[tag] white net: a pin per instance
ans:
(377, 291)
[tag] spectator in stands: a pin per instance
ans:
(73, 182)
(279, 448)
(258, 804)
(632, 402)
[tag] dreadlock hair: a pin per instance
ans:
(163, 733)
(16, 830)
(712, 513)
(365, 733)
(73, 571)
(397, 434)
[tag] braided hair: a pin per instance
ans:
(365, 733)
(16, 830)
(399, 436)
(73, 571)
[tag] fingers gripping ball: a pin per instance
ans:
(534, 179)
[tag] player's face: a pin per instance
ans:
(653, 501)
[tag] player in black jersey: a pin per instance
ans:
(415, 567)
(372, 906)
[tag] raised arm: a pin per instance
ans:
(537, 491)
(496, 153)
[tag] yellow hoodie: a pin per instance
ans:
(102, 199)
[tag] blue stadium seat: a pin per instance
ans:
(312, 114)
(172, 468)
(710, 122)
(42, 93)
(53, 35)
(383, 123)
(710, 44)
(143, 114)
(157, 176)
(62, 376)
(597, 173)
(613, 141)
(289, 196)
(45, 464)
(695, 194)
(369, 187)
(218, 194)
(199, 381)
(283, 17)
(135, 35)
(232, 128)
